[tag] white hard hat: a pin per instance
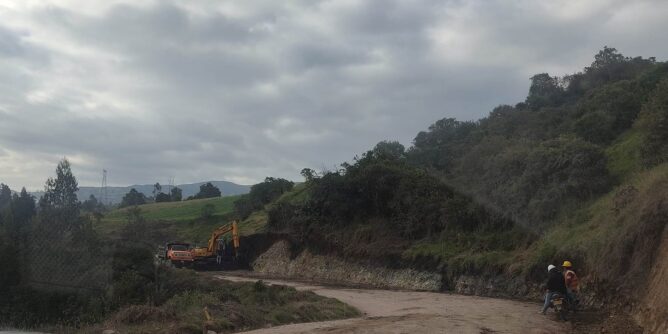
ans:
(550, 267)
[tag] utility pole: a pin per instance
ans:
(103, 188)
(170, 185)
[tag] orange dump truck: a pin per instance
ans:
(179, 254)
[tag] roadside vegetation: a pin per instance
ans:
(61, 275)
(232, 307)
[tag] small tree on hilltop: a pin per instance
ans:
(60, 202)
(176, 194)
(157, 188)
(208, 190)
(91, 204)
(133, 197)
(309, 174)
(162, 197)
(5, 196)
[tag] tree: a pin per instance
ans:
(262, 193)
(270, 189)
(606, 57)
(308, 174)
(653, 121)
(60, 202)
(5, 196)
(91, 204)
(608, 111)
(19, 214)
(545, 91)
(133, 197)
(157, 188)
(23, 206)
(176, 194)
(389, 150)
(162, 197)
(208, 190)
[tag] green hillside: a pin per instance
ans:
(177, 220)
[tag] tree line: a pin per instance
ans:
(134, 197)
(58, 271)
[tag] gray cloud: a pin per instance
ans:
(243, 90)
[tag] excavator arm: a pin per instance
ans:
(212, 245)
(217, 233)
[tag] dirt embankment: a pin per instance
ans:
(653, 310)
(279, 257)
(279, 261)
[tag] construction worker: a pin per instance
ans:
(571, 280)
(220, 251)
(555, 284)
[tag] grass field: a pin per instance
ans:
(180, 221)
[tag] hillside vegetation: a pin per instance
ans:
(576, 171)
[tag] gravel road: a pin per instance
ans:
(387, 311)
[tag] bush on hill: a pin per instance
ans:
(133, 197)
(261, 194)
(207, 190)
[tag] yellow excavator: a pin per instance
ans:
(218, 250)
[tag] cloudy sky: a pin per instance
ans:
(239, 90)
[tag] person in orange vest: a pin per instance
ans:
(571, 281)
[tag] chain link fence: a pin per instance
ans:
(57, 260)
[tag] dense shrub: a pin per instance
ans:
(261, 194)
(654, 124)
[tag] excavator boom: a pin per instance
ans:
(212, 245)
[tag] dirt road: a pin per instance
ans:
(419, 312)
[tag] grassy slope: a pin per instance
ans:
(624, 155)
(591, 232)
(583, 234)
(179, 220)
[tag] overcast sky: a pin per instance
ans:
(240, 90)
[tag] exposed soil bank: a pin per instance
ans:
(278, 261)
(653, 309)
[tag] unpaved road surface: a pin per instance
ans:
(390, 312)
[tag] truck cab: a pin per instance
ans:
(179, 254)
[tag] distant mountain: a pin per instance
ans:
(115, 194)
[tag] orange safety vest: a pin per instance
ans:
(571, 280)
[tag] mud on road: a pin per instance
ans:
(388, 311)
